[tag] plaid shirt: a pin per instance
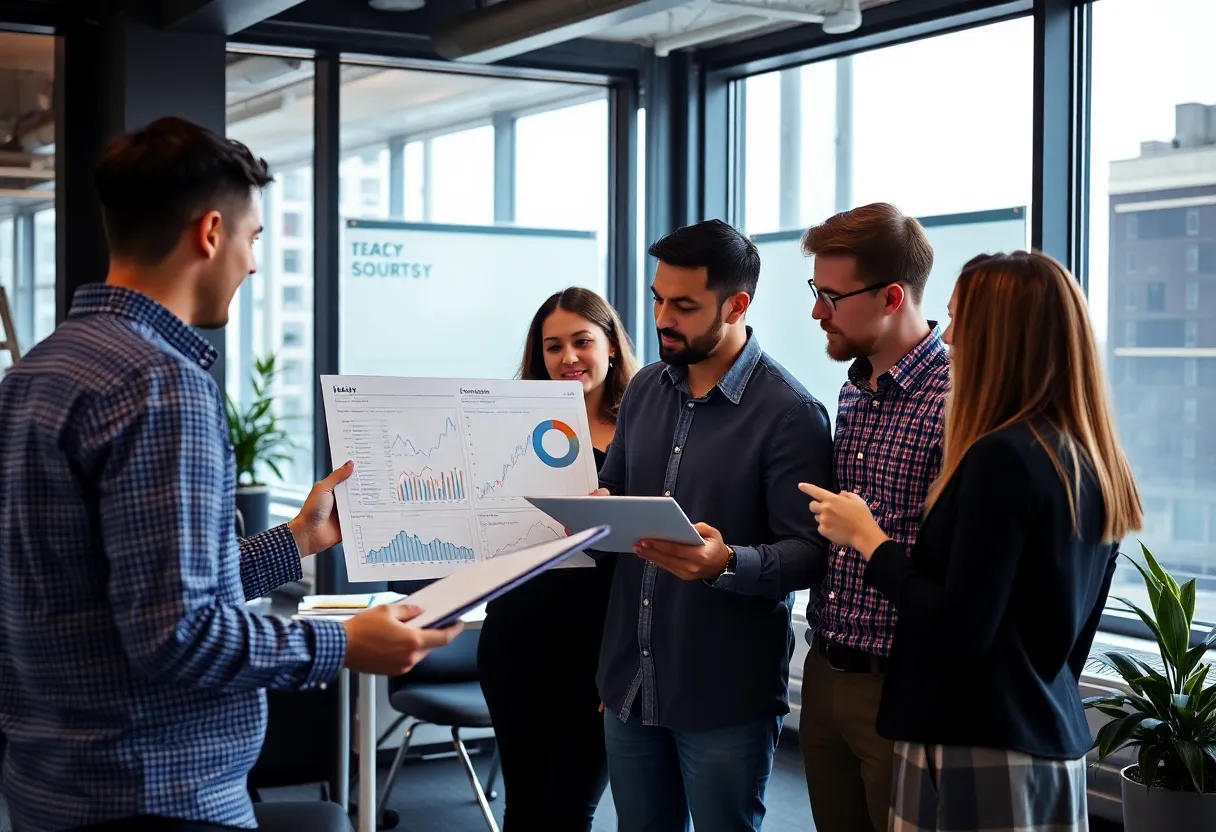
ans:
(131, 674)
(888, 449)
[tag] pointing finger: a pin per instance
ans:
(812, 490)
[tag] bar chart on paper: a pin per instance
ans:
(428, 540)
(442, 467)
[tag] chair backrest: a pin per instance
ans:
(455, 662)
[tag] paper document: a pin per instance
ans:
(326, 605)
(444, 601)
(442, 467)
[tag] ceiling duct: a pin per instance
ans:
(513, 27)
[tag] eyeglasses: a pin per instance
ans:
(830, 301)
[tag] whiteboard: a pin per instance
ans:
(781, 310)
(452, 301)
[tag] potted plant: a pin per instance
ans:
(1169, 716)
(258, 443)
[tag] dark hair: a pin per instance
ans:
(889, 247)
(589, 305)
(154, 182)
(731, 261)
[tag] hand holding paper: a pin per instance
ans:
(379, 641)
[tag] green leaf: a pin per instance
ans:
(258, 441)
(1192, 761)
(1127, 666)
(1194, 682)
(1151, 583)
(1186, 595)
(1159, 573)
(1144, 616)
(1175, 630)
(1149, 760)
(1114, 735)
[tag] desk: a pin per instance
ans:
(365, 735)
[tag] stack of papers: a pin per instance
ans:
(343, 606)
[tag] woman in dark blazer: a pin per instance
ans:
(1001, 594)
(540, 643)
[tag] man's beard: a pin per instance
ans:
(693, 351)
(847, 349)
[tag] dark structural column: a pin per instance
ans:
(111, 78)
(1061, 119)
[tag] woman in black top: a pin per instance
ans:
(540, 643)
(1000, 597)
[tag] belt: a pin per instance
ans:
(846, 659)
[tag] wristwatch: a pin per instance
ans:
(731, 561)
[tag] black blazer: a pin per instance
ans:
(997, 606)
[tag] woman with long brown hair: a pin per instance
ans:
(1000, 597)
(540, 643)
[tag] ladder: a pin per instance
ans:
(9, 344)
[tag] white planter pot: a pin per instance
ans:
(1165, 810)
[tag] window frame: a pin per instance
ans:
(1062, 125)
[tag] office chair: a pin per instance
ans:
(443, 690)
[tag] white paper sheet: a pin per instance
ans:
(442, 467)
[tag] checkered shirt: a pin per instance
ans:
(888, 449)
(131, 674)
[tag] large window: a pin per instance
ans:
(270, 108)
(467, 200)
(898, 125)
(1153, 236)
(27, 186)
(894, 125)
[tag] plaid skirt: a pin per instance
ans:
(939, 788)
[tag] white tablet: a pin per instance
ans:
(631, 519)
(448, 598)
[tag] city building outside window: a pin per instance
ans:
(1152, 174)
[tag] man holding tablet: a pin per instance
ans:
(694, 666)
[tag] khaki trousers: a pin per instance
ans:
(848, 765)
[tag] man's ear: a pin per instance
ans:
(736, 306)
(897, 295)
(207, 233)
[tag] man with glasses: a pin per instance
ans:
(871, 266)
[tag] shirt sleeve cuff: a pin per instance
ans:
(887, 569)
(747, 571)
(269, 560)
(329, 653)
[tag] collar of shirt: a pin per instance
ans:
(907, 372)
(734, 382)
(104, 299)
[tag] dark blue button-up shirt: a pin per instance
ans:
(130, 670)
(688, 655)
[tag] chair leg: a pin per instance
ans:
(392, 772)
(495, 765)
(396, 724)
(482, 803)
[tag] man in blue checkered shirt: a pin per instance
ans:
(131, 675)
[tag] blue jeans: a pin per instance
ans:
(660, 776)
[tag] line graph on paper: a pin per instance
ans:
(507, 531)
(426, 538)
(524, 452)
(413, 455)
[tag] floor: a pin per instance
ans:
(434, 796)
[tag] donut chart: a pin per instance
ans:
(544, 456)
